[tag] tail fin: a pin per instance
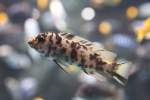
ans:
(122, 71)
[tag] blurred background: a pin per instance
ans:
(122, 26)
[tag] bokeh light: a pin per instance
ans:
(31, 27)
(36, 13)
(88, 13)
(42, 4)
(132, 12)
(147, 24)
(38, 98)
(57, 8)
(123, 41)
(5, 50)
(143, 32)
(58, 14)
(3, 18)
(105, 28)
(144, 10)
(28, 86)
(140, 35)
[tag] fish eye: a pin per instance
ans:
(41, 38)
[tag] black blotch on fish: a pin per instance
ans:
(78, 46)
(64, 34)
(100, 62)
(41, 37)
(73, 45)
(82, 62)
(88, 44)
(74, 55)
(69, 36)
(50, 38)
(92, 56)
(83, 41)
(67, 41)
(58, 39)
(84, 47)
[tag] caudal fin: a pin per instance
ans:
(122, 71)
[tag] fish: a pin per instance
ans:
(91, 57)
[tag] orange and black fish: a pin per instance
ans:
(87, 55)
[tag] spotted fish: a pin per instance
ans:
(89, 56)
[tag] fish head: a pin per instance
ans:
(39, 43)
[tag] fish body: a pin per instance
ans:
(72, 49)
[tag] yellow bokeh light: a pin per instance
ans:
(3, 18)
(140, 35)
(144, 32)
(147, 24)
(38, 98)
(131, 12)
(105, 28)
(42, 4)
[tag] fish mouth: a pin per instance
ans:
(30, 42)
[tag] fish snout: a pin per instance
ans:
(31, 42)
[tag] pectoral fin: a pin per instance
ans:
(61, 66)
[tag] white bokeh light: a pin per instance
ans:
(88, 13)
(57, 8)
